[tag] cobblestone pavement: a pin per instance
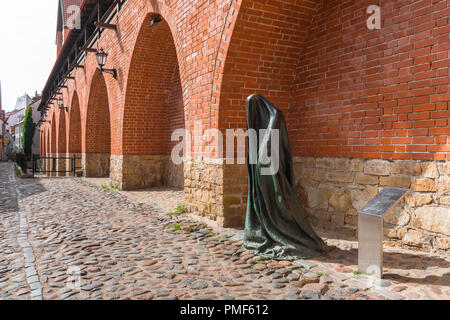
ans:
(67, 238)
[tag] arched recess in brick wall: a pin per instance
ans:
(51, 164)
(97, 143)
(44, 148)
(62, 144)
(44, 143)
(47, 141)
(75, 135)
(40, 143)
(262, 56)
(153, 109)
(75, 126)
(62, 133)
(53, 134)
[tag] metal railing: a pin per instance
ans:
(39, 165)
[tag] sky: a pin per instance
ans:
(27, 47)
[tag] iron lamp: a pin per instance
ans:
(60, 104)
(102, 57)
(156, 19)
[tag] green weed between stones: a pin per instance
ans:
(16, 170)
(110, 186)
(223, 236)
(260, 259)
(181, 209)
(177, 227)
(357, 272)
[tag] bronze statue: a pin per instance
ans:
(276, 224)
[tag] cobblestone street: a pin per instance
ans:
(67, 238)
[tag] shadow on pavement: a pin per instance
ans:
(9, 184)
(396, 260)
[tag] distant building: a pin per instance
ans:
(3, 140)
(15, 121)
(23, 102)
(8, 145)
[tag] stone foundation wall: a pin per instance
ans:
(78, 162)
(49, 165)
(115, 172)
(203, 189)
(69, 163)
(235, 185)
(61, 164)
(334, 190)
(145, 171)
(95, 164)
(174, 175)
(216, 191)
(45, 165)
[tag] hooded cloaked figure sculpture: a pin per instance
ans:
(276, 225)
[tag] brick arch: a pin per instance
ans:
(62, 143)
(47, 141)
(75, 125)
(97, 141)
(53, 134)
(153, 109)
(41, 143)
(52, 142)
(45, 149)
(261, 57)
(169, 14)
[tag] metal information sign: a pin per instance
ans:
(370, 229)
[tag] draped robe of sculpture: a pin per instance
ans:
(276, 224)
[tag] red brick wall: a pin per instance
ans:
(175, 108)
(59, 41)
(65, 14)
(67, 4)
(262, 55)
(153, 100)
(53, 134)
(193, 44)
(374, 93)
(41, 144)
(74, 141)
(62, 132)
(393, 83)
(98, 128)
(47, 140)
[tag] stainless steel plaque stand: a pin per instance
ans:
(370, 229)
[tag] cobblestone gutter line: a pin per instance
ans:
(28, 252)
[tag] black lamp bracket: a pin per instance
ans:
(113, 72)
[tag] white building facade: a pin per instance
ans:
(15, 123)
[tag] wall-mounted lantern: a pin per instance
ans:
(61, 105)
(156, 19)
(102, 56)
